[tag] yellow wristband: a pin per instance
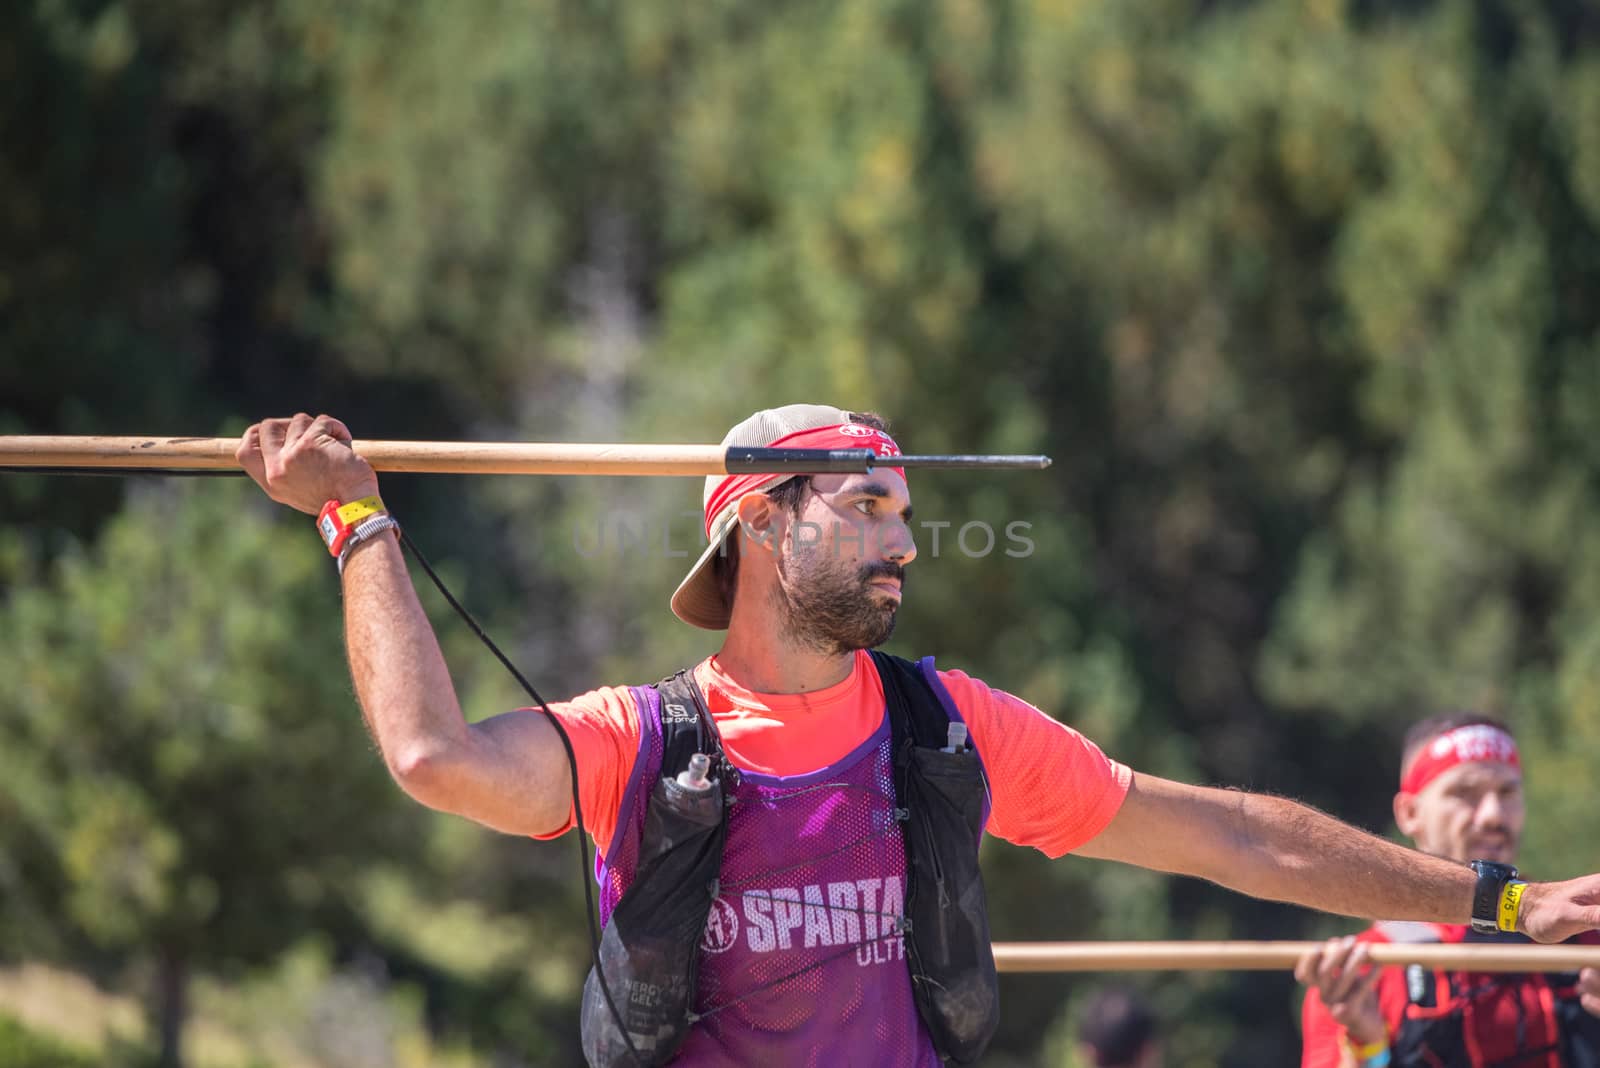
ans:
(354, 512)
(1511, 904)
(1367, 1052)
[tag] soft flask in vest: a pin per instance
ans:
(649, 951)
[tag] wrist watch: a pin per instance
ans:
(1492, 879)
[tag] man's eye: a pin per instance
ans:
(865, 507)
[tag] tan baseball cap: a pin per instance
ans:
(698, 599)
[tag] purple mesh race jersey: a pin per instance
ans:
(801, 962)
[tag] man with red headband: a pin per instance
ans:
(789, 828)
(1460, 798)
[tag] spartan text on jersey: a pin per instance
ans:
(858, 912)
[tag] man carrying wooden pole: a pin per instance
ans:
(790, 827)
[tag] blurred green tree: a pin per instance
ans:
(180, 753)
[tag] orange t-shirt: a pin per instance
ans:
(1050, 787)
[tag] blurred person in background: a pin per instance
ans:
(1117, 1030)
(1460, 798)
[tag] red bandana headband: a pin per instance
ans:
(840, 436)
(1478, 743)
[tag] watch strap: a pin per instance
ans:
(364, 531)
(1492, 880)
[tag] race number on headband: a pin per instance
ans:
(1479, 743)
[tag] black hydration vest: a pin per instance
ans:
(650, 950)
(1491, 1020)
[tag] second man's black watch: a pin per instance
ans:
(1492, 879)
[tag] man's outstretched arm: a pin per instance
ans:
(509, 772)
(1280, 850)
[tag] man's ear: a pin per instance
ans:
(1405, 814)
(762, 523)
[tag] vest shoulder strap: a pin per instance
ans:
(686, 724)
(915, 711)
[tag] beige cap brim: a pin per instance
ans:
(698, 599)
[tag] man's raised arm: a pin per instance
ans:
(1280, 850)
(509, 772)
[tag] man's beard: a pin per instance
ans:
(826, 603)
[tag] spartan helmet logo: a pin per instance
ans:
(722, 928)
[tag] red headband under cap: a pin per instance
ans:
(840, 436)
(1475, 743)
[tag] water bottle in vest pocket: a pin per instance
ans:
(650, 949)
(948, 946)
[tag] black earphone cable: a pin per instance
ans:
(572, 763)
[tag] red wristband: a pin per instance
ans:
(337, 521)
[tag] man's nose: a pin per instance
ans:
(899, 544)
(1491, 810)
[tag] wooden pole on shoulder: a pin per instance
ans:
(84, 454)
(1280, 956)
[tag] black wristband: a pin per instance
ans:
(1492, 879)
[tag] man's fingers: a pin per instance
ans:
(1361, 974)
(249, 451)
(252, 458)
(1348, 980)
(1333, 956)
(274, 442)
(1367, 983)
(333, 428)
(1589, 990)
(1305, 970)
(299, 424)
(1333, 978)
(270, 435)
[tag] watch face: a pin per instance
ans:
(329, 530)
